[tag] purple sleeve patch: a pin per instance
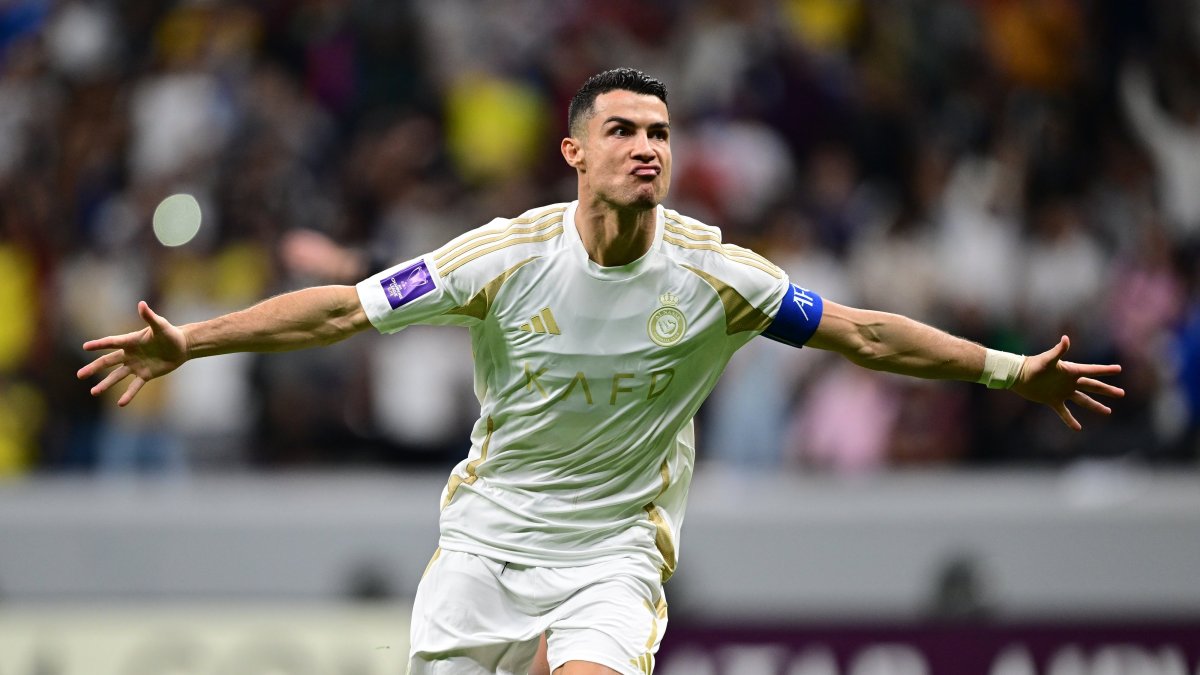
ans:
(408, 284)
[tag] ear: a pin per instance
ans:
(572, 151)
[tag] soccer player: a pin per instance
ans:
(598, 328)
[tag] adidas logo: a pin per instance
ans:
(542, 322)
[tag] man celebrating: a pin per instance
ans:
(598, 328)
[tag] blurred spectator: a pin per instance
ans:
(18, 294)
(733, 171)
(83, 41)
(979, 244)
(493, 126)
(903, 249)
(22, 413)
(1062, 272)
(839, 202)
(846, 421)
(1185, 365)
(1172, 137)
(1146, 300)
(1002, 168)
(180, 115)
(748, 414)
(211, 411)
(1036, 43)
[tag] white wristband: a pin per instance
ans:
(1001, 369)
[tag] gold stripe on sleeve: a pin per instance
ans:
(691, 222)
(697, 231)
(485, 231)
(481, 302)
(484, 238)
(724, 250)
(740, 315)
(471, 468)
(736, 250)
(690, 234)
(463, 260)
(731, 251)
(559, 208)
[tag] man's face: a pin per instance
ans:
(625, 151)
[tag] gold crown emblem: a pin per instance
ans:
(669, 299)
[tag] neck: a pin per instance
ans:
(613, 237)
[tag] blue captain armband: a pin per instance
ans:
(798, 317)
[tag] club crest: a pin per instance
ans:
(667, 324)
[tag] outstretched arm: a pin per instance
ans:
(307, 318)
(896, 344)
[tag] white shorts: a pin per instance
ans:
(475, 615)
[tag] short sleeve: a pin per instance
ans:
(410, 293)
(749, 286)
(456, 284)
(797, 318)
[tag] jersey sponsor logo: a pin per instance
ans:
(408, 284)
(543, 322)
(642, 386)
(667, 324)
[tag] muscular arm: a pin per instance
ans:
(896, 344)
(311, 317)
(306, 318)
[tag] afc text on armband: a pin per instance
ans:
(801, 297)
(653, 384)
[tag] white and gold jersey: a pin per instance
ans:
(587, 377)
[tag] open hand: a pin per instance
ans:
(1046, 378)
(151, 352)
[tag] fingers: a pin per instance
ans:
(120, 357)
(1090, 368)
(134, 387)
(113, 378)
(1049, 358)
(1090, 403)
(1097, 387)
(1064, 343)
(107, 361)
(1083, 400)
(156, 322)
(1066, 416)
(112, 342)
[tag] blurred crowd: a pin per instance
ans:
(1009, 170)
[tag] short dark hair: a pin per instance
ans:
(623, 79)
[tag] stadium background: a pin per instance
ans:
(1006, 169)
